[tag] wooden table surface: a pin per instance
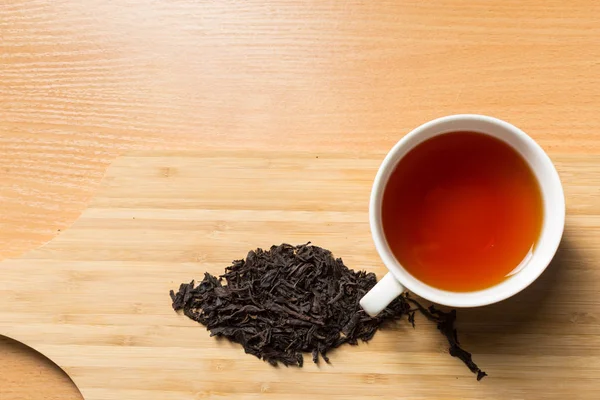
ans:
(84, 81)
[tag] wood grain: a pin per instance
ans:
(94, 300)
(84, 81)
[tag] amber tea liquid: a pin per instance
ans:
(461, 211)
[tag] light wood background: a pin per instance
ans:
(84, 81)
(94, 300)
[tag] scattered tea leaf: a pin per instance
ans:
(291, 300)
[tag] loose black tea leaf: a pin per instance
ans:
(291, 300)
(445, 324)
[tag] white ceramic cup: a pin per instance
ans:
(398, 279)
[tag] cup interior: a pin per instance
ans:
(552, 199)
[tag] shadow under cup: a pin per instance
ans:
(399, 279)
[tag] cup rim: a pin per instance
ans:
(501, 291)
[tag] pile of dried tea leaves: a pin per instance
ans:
(290, 300)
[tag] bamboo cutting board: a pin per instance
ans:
(95, 300)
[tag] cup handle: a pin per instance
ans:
(382, 294)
